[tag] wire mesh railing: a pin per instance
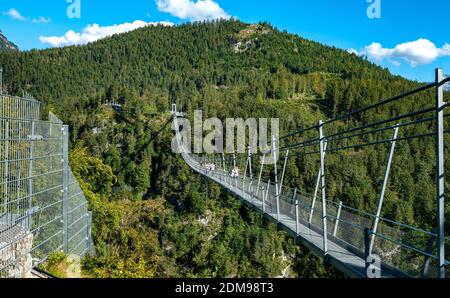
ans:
(40, 210)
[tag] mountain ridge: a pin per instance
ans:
(5, 44)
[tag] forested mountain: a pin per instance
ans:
(5, 44)
(152, 216)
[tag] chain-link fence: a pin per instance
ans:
(42, 208)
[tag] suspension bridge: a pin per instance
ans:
(356, 242)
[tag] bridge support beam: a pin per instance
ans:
(316, 192)
(250, 187)
(30, 181)
(275, 159)
(440, 178)
(263, 160)
(338, 216)
(383, 188)
(245, 173)
(234, 168)
(265, 196)
(223, 163)
(284, 172)
(322, 187)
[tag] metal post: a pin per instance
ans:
(1, 80)
(383, 189)
(284, 171)
(250, 187)
(294, 198)
(366, 248)
(277, 194)
(322, 187)
(265, 197)
(440, 178)
(6, 173)
(245, 176)
(263, 160)
(224, 168)
(30, 174)
(338, 216)
(65, 190)
(316, 191)
(223, 163)
(234, 170)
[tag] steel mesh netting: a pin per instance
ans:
(287, 202)
(270, 199)
(79, 219)
(32, 154)
(304, 205)
(351, 226)
(406, 248)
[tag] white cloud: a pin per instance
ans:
(200, 10)
(95, 32)
(14, 14)
(419, 52)
(42, 20)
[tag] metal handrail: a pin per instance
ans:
(361, 110)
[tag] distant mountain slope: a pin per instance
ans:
(272, 64)
(6, 45)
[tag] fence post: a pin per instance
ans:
(234, 170)
(265, 197)
(383, 189)
(263, 160)
(223, 163)
(284, 172)
(322, 187)
(337, 219)
(277, 194)
(65, 187)
(250, 187)
(245, 175)
(5, 173)
(316, 191)
(440, 178)
(296, 211)
(366, 248)
(30, 175)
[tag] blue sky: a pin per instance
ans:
(410, 38)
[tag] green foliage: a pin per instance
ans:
(55, 258)
(56, 264)
(98, 176)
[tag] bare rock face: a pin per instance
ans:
(15, 246)
(6, 45)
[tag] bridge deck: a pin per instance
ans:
(342, 258)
